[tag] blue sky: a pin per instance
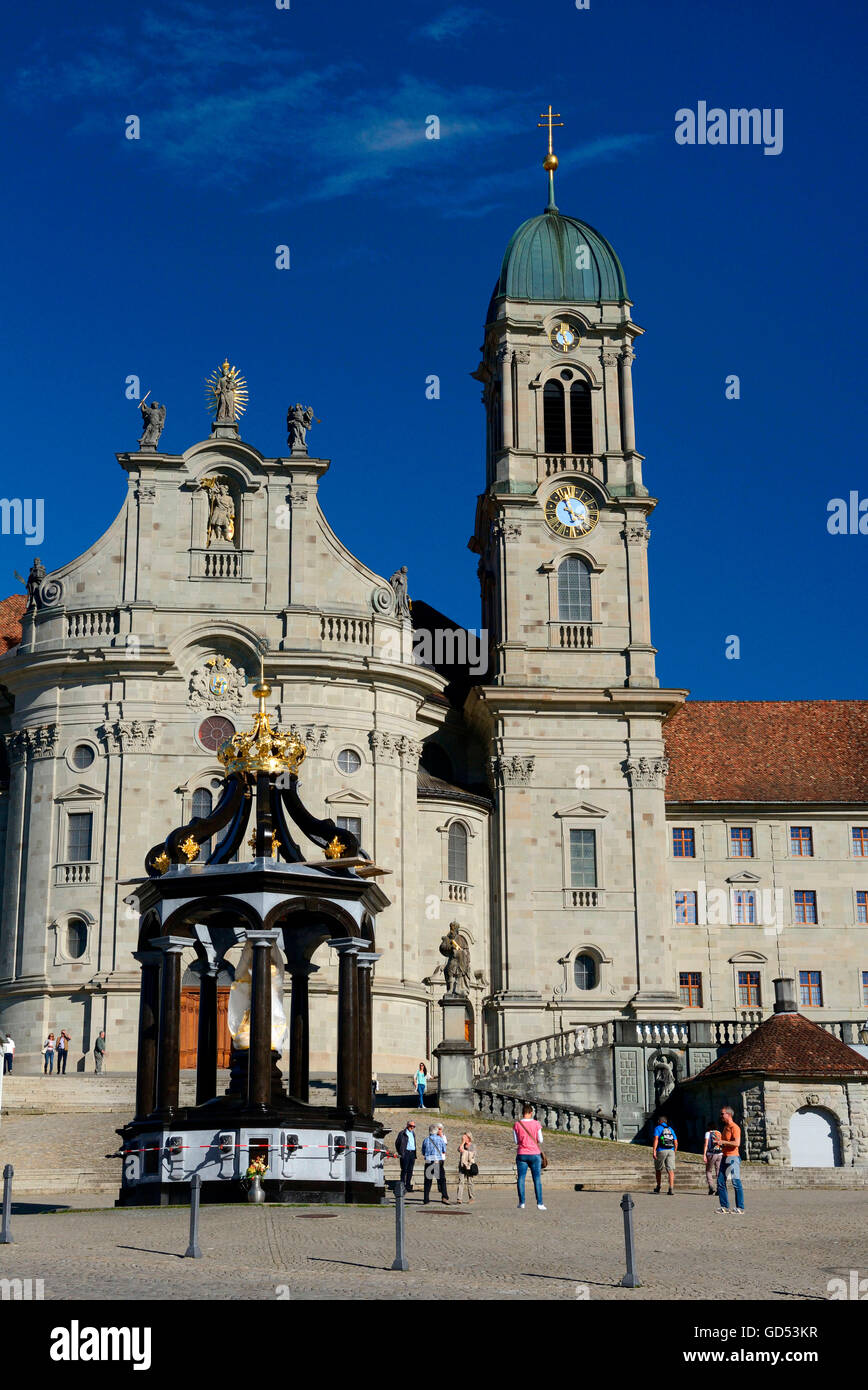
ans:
(306, 127)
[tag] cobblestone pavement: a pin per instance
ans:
(787, 1247)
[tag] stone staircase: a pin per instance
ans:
(59, 1095)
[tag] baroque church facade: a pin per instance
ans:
(607, 850)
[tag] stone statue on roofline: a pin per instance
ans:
(398, 582)
(154, 420)
(299, 419)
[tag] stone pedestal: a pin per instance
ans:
(455, 1057)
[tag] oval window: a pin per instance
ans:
(585, 972)
(82, 756)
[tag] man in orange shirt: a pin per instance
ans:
(730, 1163)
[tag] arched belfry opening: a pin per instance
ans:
(252, 929)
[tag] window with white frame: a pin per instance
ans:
(79, 836)
(457, 853)
(583, 859)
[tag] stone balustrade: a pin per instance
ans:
(567, 1119)
(573, 1043)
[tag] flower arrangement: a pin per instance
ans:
(258, 1168)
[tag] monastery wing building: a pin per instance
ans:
(607, 850)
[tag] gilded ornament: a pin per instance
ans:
(335, 849)
(162, 862)
(190, 848)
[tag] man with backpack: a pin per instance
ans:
(665, 1149)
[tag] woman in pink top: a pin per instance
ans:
(528, 1145)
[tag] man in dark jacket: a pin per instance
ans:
(405, 1148)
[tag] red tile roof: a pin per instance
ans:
(789, 1045)
(768, 750)
(11, 613)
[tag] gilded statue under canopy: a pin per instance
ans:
(239, 1002)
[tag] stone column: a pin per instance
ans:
(505, 357)
(611, 402)
(299, 1032)
(169, 1042)
(628, 429)
(656, 996)
(146, 1062)
(455, 1058)
(365, 977)
(259, 1058)
(206, 1042)
(348, 1040)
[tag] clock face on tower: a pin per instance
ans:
(571, 512)
(564, 337)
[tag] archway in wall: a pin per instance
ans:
(815, 1141)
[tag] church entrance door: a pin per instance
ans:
(190, 1027)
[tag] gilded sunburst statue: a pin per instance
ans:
(226, 390)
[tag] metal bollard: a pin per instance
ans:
(193, 1251)
(401, 1261)
(6, 1227)
(631, 1279)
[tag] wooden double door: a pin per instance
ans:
(190, 1027)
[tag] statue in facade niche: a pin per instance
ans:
(34, 580)
(221, 510)
(398, 582)
(456, 971)
(664, 1077)
(299, 419)
(154, 420)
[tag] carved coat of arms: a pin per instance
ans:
(217, 685)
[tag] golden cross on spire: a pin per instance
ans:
(550, 163)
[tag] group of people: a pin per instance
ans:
(57, 1049)
(528, 1135)
(720, 1154)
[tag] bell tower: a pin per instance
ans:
(573, 710)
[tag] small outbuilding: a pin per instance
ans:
(798, 1092)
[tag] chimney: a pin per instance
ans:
(785, 996)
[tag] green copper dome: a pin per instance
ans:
(561, 260)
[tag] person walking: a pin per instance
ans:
(62, 1051)
(48, 1054)
(420, 1081)
(375, 1086)
(8, 1053)
(434, 1154)
(467, 1165)
(528, 1135)
(405, 1148)
(664, 1149)
(712, 1154)
(730, 1163)
(99, 1054)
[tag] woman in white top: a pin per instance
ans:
(8, 1052)
(48, 1054)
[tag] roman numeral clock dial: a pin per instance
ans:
(571, 512)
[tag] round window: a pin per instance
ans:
(82, 756)
(214, 731)
(76, 938)
(566, 376)
(349, 761)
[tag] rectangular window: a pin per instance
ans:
(860, 841)
(683, 843)
(79, 835)
(351, 823)
(801, 841)
(811, 988)
(741, 841)
(749, 988)
(690, 988)
(583, 858)
(862, 905)
(744, 906)
(685, 908)
(805, 905)
(865, 988)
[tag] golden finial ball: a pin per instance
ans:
(263, 691)
(550, 163)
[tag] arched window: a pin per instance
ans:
(585, 972)
(457, 854)
(76, 938)
(581, 425)
(574, 590)
(554, 418)
(203, 803)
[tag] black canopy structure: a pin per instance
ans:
(280, 908)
